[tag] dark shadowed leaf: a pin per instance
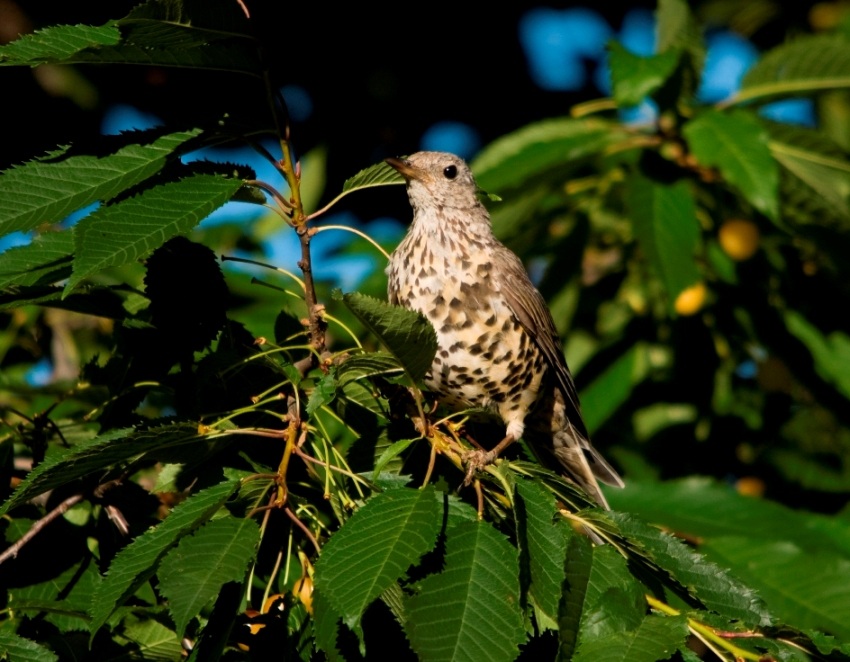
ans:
(193, 573)
(808, 589)
(138, 561)
(665, 224)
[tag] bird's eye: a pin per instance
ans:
(450, 172)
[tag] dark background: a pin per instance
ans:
(377, 78)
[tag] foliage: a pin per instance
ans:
(249, 472)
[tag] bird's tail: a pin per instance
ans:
(583, 464)
(551, 432)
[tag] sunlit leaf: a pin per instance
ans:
(737, 145)
(707, 582)
(802, 66)
(405, 333)
(702, 508)
(133, 228)
(19, 649)
(48, 190)
(136, 41)
(469, 611)
(545, 539)
(634, 77)
(46, 260)
(655, 639)
(538, 149)
(374, 547)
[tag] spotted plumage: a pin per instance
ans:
(497, 344)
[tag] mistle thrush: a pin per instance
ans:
(497, 345)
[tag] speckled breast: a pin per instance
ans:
(484, 358)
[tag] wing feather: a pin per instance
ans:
(529, 307)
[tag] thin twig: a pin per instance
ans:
(303, 528)
(309, 458)
(36, 528)
(477, 484)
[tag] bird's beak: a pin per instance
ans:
(404, 168)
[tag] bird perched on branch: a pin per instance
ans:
(497, 344)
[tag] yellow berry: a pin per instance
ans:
(691, 300)
(739, 238)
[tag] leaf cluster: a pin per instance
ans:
(244, 472)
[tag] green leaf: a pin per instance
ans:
(614, 386)
(47, 191)
(46, 260)
(138, 561)
(615, 600)
(634, 77)
(657, 638)
(805, 588)
(99, 301)
(803, 66)
(537, 149)
(323, 393)
(18, 649)
(737, 145)
(545, 540)
(826, 644)
(380, 174)
(150, 640)
(136, 41)
(131, 229)
(367, 365)
(831, 353)
(665, 224)
(390, 453)
(96, 455)
(470, 611)
(405, 333)
(375, 547)
(193, 573)
(57, 44)
(677, 30)
(814, 177)
(577, 569)
(709, 583)
(702, 508)
(325, 625)
(62, 599)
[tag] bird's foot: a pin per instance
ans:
(476, 461)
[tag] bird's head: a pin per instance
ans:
(437, 179)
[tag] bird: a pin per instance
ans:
(497, 345)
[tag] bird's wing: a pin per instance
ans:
(531, 310)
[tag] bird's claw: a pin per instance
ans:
(476, 461)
